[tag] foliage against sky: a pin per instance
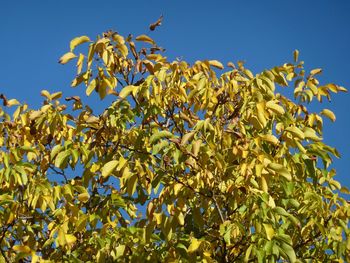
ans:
(225, 166)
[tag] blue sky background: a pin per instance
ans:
(34, 34)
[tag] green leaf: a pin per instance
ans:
(225, 231)
(160, 135)
(281, 211)
(61, 158)
(120, 251)
(289, 251)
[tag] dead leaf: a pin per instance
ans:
(153, 26)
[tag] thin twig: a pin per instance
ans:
(59, 172)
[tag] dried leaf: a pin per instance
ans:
(153, 26)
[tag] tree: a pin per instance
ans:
(185, 164)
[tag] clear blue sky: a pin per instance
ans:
(34, 34)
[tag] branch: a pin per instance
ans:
(218, 208)
(2, 238)
(59, 172)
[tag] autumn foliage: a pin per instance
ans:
(189, 163)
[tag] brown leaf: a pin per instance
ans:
(231, 65)
(75, 98)
(3, 97)
(156, 48)
(133, 50)
(153, 26)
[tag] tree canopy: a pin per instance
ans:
(188, 163)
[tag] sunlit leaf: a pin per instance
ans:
(127, 90)
(194, 246)
(216, 64)
(67, 57)
(159, 135)
(329, 114)
(145, 38)
(61, 158)
(280, 169)
(270, 232)
(78, 41)
(109, 167)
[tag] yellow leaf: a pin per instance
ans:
(329, 114)
(122, 162)
(177, 188)
(195, 243)
(270, 232)
(145, 38)
(61, 237)
(132, 183)
(300, 146)
(120, 251)
(315, 71)
(296, 55)
(61, 158)
(280, 169)
(296, 132)
(127, 90)
(149, 65)
(91, 87)
(187, 137)
(269, 138)
(196, 146)
(339, 88)
(77, 41)
(181, 219)
(264, 185)
(45, 94)
(12, 102)
(83, 197)
(158, 217)
(275, 107)
(311, 134)
(70, 239)
(22, 249)
(67, 57)
(80, 63)
(56, 95)
(108, 168)
(216, 64)
(261, 113)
